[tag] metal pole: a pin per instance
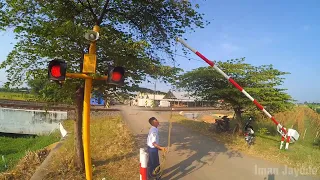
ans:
(188, 89)
(86, 128)
(154, 93)
(235, 84)
(86, 116)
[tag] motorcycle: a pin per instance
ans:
(249, 133)
(223, 124)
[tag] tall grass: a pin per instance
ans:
(16, 96)
(113, 151)
(303, 153)
(300, 119)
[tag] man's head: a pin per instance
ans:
(154, 122)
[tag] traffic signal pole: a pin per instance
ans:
(84, 76)
(86, 106)
(86, 128)
(86, 115)
(57, 72)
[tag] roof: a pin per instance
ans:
(169, 95)
(157, 97)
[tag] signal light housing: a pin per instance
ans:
(116, 75)
(57, 70)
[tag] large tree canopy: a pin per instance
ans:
(131, 34)
(261, 82)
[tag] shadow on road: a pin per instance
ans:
(194, 151)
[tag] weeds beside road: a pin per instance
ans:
(301, 154)
(113, 151)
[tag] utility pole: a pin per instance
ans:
(188, 95)
(57, 72)
(154, 93)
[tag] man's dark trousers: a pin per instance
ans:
(153, 162)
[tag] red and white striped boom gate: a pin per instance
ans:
(291, 135)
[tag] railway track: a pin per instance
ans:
(179, 109)
(32, 105)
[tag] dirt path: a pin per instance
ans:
(193, 156)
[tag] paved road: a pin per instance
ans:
(193, 156)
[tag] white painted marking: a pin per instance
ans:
(279, 126)
(248, 95)
(221, 72)
(186, 45)
(266, 112)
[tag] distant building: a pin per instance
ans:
(182, 99)
(147, 99)
(171, 98)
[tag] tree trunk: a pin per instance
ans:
(79, 157)
(238, 114)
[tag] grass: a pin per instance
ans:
(113, 151)
(301, 154)
(315, 107)
(15, 96)
(22, 153)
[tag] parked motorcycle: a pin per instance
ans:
(248, 132)
(223, 124)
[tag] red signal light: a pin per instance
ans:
(116, 76)
(55, 71)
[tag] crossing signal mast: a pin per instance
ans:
(57, 72)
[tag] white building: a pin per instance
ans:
(182, 99)
(147, 99)
(172, 98)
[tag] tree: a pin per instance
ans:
(132, 32)
(47, 91)
(260, 82)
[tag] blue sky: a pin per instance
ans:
(283, 33)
